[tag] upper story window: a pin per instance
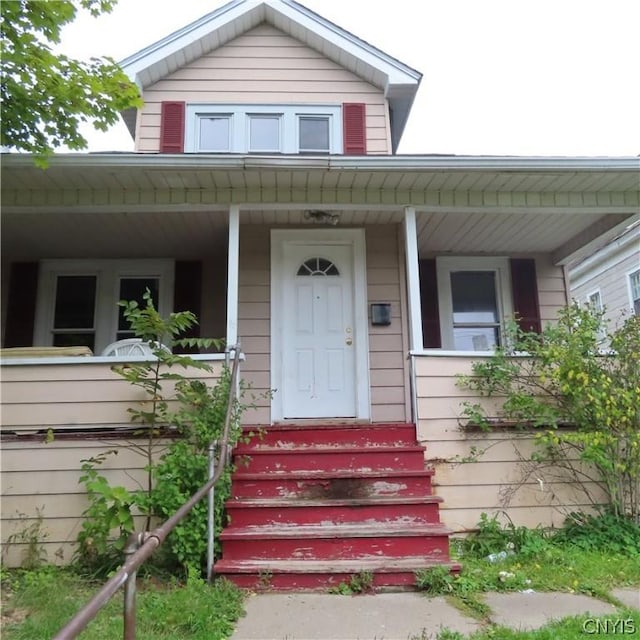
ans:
(214, 133)
(634, 291)
(269, 129)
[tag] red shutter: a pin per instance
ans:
(524, 285)
(429, 304)
(354, 128)
(172, 127)
(21, 304)
(187, 295)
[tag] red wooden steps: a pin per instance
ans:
(312, 505)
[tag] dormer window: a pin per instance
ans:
(314, 135)
(264, 133)
(267, 129)
(214, 133)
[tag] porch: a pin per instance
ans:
(203, 228)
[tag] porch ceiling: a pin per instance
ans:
(122, 205)
(78, 234)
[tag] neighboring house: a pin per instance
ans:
(609, 279)
(264, 194)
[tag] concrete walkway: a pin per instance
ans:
(406, 615)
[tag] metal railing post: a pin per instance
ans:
(211, 521)
(133, 544)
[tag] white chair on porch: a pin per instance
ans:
(129, 347)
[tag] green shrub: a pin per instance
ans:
(576, 374)
(601, 532)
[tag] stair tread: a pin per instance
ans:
(347, 530)
(322, 449)
(301, 426)
(379, 564)
(329, 473)
(331, 502)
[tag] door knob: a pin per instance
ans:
(349, 341)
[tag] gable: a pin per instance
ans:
(397, 81)
(264, 66)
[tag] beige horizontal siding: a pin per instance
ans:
(41, 480)
(72, 396)
(552, 293)
(254, 323)
(264, 66)
(496, 480)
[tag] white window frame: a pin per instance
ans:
(240, 115)
(225, 116)
(630, 275)
(445, 265)
(108, 273)
(594, 300)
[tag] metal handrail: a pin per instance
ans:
(141, 546)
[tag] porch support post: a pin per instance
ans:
(413, 279)
(232, 274)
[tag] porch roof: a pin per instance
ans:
(464, 204)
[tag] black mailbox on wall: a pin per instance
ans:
(381, 314)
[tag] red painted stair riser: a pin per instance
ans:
(284, 487)
(337, 548)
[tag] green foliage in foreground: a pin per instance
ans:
(577, 373)
(194, 611)
(511, 558)
(47, 96)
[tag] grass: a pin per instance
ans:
(591, 561)
(624, 624)
(37, 604)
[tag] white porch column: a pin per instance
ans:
(233, 262)
(413, 279)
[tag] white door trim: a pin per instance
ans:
(355, 238)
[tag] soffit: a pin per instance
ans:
(145, 172)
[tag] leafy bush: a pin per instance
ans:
(492, 538)
(601, 532)
(196, 415)
(564, 378)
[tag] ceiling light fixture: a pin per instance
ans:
(322, 217)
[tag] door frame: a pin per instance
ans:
(356, 239)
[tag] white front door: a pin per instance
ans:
(319, 334)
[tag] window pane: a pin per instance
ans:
(214, 133)
(474, 297)
(475, 338)
(133, 289)
(264, 133)
(75, 302)
(595, 301)
(314, 134)
(634, 282)
(318, 267)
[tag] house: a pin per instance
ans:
(265, 194)
(609, 278)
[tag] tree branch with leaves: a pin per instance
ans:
(46, 96)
